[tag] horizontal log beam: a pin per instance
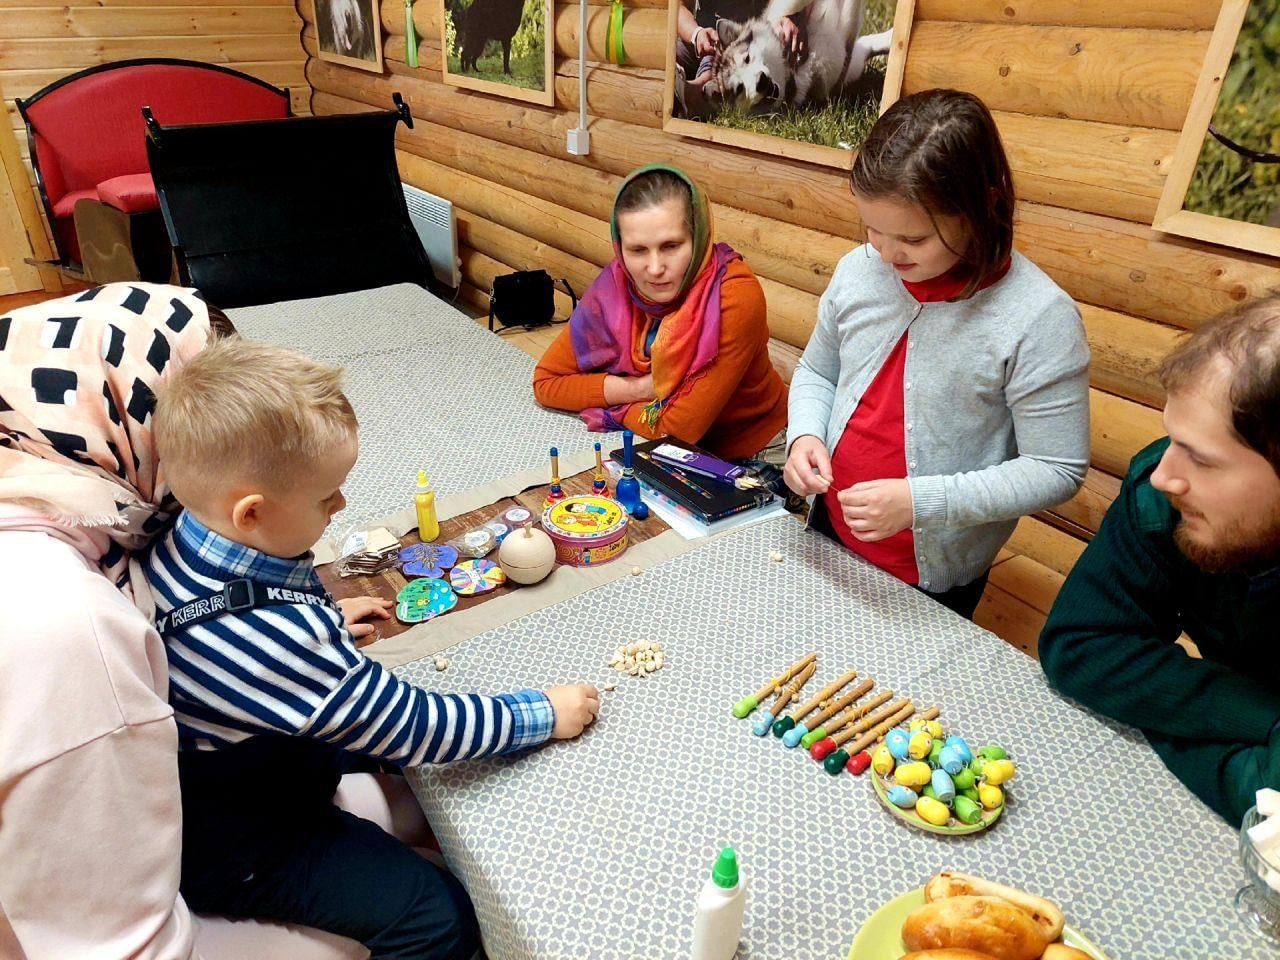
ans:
(1099, 260)
(1138, 77)
(1165, 15)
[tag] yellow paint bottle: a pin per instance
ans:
(425, 502)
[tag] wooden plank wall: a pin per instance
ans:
(41, 42)
(1089, 96)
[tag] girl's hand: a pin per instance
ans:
(356, 609)
(877, 509)
(808, 467)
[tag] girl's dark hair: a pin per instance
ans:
(941, 150)
(655, 187)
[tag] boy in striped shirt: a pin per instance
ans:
(273, 700)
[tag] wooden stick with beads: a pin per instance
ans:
(747, 704)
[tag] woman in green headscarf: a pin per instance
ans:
(672, 338)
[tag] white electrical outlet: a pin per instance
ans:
(579, 141)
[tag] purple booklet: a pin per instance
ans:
(696, 462)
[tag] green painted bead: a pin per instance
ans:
(782, 725)
(812, 737)
(964, 779)
(967, 811)
(835, 762)
(971, 793)
(929, 792)
(934, 753)
(992, 751)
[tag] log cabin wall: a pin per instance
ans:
(41, 42)
(1089, 95)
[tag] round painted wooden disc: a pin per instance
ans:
(427, 559)
(476, 576)
(424, 599)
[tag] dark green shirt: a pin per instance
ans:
(1110, 644)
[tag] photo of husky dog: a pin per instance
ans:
(753, 68)
(810, 71)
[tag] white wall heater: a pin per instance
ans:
(433, 218)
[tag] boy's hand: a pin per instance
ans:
(808, 469)
(576, 706)
(356, 609)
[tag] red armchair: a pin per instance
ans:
(89, 153)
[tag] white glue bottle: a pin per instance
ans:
(718, 922)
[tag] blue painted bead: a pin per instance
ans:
(950, 761)
(792, 736)
(903, 797)
(899, 744)
(961, 747)
(943, 787)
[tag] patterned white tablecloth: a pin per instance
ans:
(596, 848)
(432, 389)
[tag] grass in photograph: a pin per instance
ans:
(1226, 184)
(843, 122)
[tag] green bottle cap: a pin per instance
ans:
(725, 872)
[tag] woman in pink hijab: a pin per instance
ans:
(90, 817)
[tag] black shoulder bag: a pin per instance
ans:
(525, 299)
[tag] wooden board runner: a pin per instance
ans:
(391, 581)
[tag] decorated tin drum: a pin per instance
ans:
(586, 529)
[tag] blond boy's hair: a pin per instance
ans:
(242, 411)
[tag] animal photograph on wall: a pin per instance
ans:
(500, 47)
(350, 32)
(747, 72)
(1224, 182)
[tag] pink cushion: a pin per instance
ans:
(131, 193)
(66, 205)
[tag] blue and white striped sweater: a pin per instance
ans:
(295, 669)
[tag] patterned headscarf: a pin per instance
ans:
(606, 328)
(77, 389)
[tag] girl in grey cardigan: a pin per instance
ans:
(944, 392)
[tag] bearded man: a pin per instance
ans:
(1192, 545)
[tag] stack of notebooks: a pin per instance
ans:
(698, 485)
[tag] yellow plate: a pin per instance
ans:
(881, 936)
(953, 828)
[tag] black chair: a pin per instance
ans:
(272, 210)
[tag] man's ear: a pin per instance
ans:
(246, 513)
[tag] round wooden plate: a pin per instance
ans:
(953, 829)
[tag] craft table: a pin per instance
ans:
(596, 848)
(432, 390)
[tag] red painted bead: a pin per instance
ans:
(858, 764)
(820, 749)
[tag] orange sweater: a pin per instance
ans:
(732, 409)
